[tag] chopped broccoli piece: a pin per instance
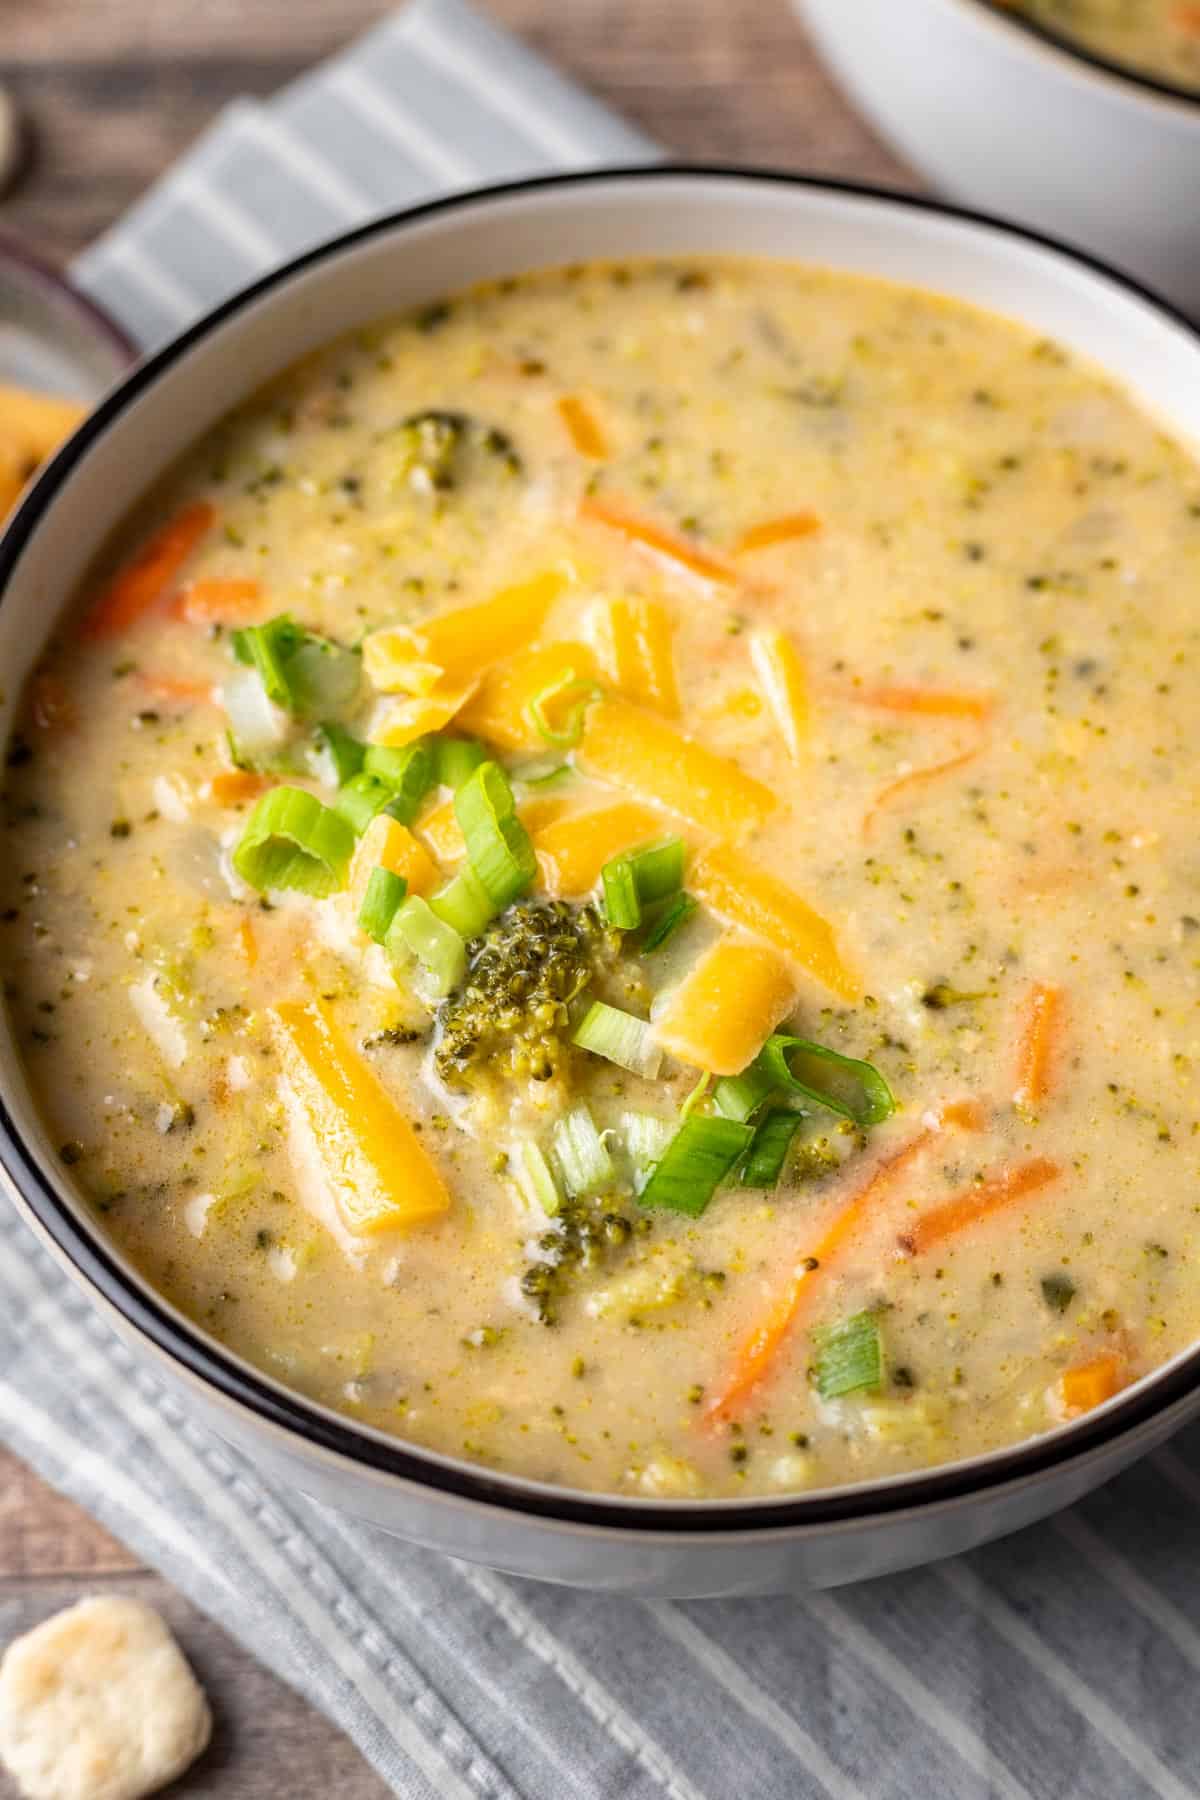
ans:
(587, 1235)
(511, 1016)
(436, 446)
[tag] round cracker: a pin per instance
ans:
(97, 1703)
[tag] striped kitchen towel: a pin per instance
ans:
(1060, 1663)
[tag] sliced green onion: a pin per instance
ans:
(646, 1138)
(695, 1163)
(381, 902)
(498, 846)
(673, 917)
(359, 799)
(579, 1150)
(740, 1096)
(639, 878)
(416, 931)
(258, 729)
(620, 1038)
(306, 675)
(344, 751)
(534, 1176)
(768, 1153)
(695, 1097)
(567, 686)
(545, 775)
(292, 841)
(463, 904)
(622, 907)
(849, 1356)
(407, 773)
(454, 759)
(855, 1090)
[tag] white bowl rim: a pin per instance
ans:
(283, 1410)
(1104, 71)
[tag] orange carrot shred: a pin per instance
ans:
(1039, 1041)
(583, 427)
(917, 780)
(971, 1115)
(142, 583)
(217, 601)
(649, 535)
(752, 1364)
(177, 687)
(1187, 18)
(931, 703)
(247, 942)
(978, 1202)
(777, 531)
(231, 787)
(1090, 1383)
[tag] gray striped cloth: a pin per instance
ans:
(1062, 1662)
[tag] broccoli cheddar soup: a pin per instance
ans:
(605, 881)
(1159, 38)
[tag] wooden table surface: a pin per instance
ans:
(113, 90)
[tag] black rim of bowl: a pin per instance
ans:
(1103, 65)
(194, 1353)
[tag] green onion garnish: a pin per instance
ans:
(695, 1163)
(306, 675)
(566, 687)
(671, 919)
(498, 846)
(454, 759)
(849, 1356)
(463, 904)
(740, 1096)
(385, 892)
(767, 1154)
(408, 775)
(579, 1150)
(640, 878)
(359, 799)
(534, 1176)
(343, 749)
(441, 956)
(646, 1138)
(855, 1090)
(292, 841)
(695, 1097)
(545, 775)
(620, 1038)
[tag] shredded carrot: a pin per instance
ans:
(978, 1202)
(659, 539)
(913, 783)
(1187, 18)
(1039, 1041)
(931, 703)
(142, 583)
(777, 531)
(752, 1364)
(230, 787)
(50, 705)
(583, 427)
(216, 601)
(247, 942)
(971, 1115)
(176, 687)
(1090, 1383)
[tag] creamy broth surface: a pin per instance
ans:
(928, 590)
(1160, 38)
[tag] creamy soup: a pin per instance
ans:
(605, 881)
(1160, 38)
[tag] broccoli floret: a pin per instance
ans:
(436, 446)
(587, 1234)
(512, 1015)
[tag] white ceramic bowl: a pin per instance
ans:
(618, 1543)
(1003, 116)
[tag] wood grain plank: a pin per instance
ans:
(42, 1534)
(268, 1743)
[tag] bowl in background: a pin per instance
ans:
(1002, 116)
(618, 1543)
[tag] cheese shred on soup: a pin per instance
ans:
(605, 881)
